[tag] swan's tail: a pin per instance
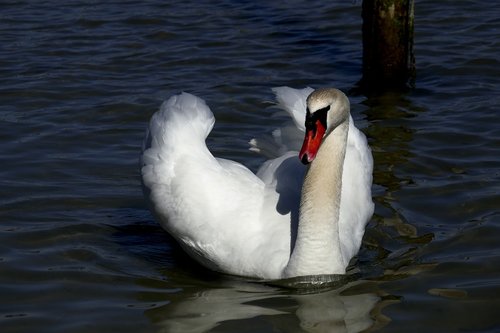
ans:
(182, 117)
(179, 128)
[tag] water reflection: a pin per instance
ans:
(346, 309)
(332, 312)
(207, 308)
(390, 136)
(395, 239)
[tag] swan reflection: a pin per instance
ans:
(327, 311)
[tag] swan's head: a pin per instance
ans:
(326, 109)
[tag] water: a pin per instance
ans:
(79, 250)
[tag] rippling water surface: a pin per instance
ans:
(79, 250)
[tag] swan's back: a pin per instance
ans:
(176, 133)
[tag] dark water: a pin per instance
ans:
(79, 250)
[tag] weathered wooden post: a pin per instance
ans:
(388, 59)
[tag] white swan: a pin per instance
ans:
(233, 221)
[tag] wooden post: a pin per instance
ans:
(388, 59)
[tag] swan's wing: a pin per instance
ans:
(293, 101)
(356, 207)
(213, 207)
(290, 136)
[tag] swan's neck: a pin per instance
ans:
(317, 248)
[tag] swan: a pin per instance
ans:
(297, 216)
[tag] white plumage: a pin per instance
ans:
(231, 220)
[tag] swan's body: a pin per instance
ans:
(236, 222)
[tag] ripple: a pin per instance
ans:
(78, 247)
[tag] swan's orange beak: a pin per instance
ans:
(312, 141)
